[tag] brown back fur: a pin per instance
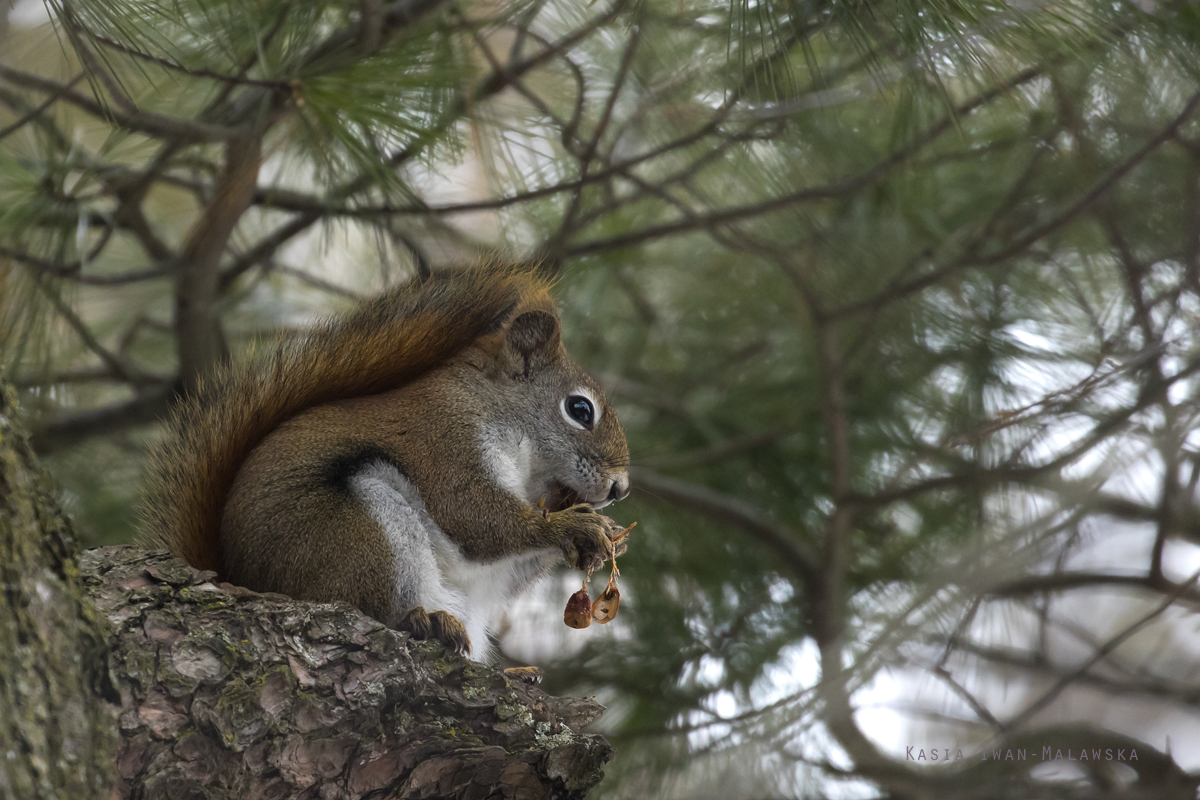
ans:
(388, 342)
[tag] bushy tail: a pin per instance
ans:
(387, 342)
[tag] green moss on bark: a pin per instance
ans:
(57, 730)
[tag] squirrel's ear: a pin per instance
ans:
(534, 339)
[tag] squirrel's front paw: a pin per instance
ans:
(440, 625)
(586, 536)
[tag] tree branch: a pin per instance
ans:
(1019, 245)
(37, 111)
(71, 271)
(314, 211)
(1068, 581)
(845, 186)
(197, 328)
(67, 428)
(140, 121)
(229, 694)
(777, 537)
(1099, 655)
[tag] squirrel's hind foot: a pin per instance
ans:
(441, 626)
(530, 675)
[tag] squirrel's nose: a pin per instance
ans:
(619, 489)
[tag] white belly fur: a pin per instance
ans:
(431, 570)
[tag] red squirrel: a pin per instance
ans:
(397, 459)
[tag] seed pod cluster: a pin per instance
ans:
(580, 610)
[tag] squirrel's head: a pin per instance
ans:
(551, 435)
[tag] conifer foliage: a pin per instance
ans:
(898, 302)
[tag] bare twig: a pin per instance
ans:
(846, 186)
(1099, 655)
(195, 73)
(785, 542)
(115, 364)
(140, 121)
(37, 111)
(979, 708)
(1020, 244)
(1176, 692)
(62, 430)
(1069, 581)
(716, 452)
(316, 282)
(493, 84)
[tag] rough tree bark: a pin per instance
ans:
(226, 693)
(57, 730)
(195, 688)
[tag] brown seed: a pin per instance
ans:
(578, 613)
(606, 605)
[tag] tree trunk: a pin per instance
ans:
(57, 731)
(201, 689)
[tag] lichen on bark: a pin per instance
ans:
(226, 693)
(57, 731)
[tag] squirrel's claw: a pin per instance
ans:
(440, 626)
(530, 675)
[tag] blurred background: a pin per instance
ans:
(898, 302)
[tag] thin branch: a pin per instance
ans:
(16, 103)
(316, 282)
(1009, 473)
(1099, 655)
(1186, 694)
(420, 260)
(71, 271)
(131, 217)
(1019, 245)
(266, 247)
(288, 200)
(115, 364)
(979, 708)
(140, 121)
(719, 451)
(37, 111)
(588, 153)
(785, 542)
(495, 83)
(165, 63)
(62, 430)
(1070, 581)
(840, 188)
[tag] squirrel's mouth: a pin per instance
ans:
(562, 497)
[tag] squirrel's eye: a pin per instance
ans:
(580, 410)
